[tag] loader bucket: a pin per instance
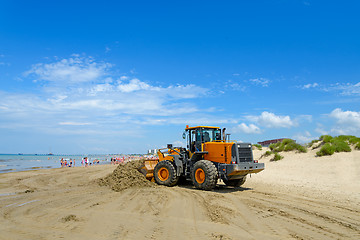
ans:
(148, 168)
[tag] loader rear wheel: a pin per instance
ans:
(204, 175)
(235, 182)
(165, 173)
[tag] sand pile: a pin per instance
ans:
(126, 176)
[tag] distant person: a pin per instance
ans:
(71, 162)
(62, 162)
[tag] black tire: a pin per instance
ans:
(204, 175)
(235, 182)
(165, 173)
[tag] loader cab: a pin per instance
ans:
(201, 134)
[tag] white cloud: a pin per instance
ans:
(260, 81)
(270, 120)
(249, 129)
(347, 122)
(80, 91)
(310, 85)
(235, 86)
(345, 89)
(72, 70)
(134, 85)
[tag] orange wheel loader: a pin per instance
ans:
(209, 155)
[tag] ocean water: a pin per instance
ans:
(19, 162)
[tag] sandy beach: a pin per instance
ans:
(299, 197)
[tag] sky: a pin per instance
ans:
(127, 76)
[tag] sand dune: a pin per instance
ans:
(299, 197)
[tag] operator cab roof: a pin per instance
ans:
(190, 128)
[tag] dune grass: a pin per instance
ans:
(328, 145)
(326, 149)
(258, 146)
(340, 143)
(287, 145)
(276, 157)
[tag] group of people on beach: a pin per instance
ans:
(84, 162)
(117, 160)
(65, 163)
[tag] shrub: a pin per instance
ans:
(301, 148)
(267, 153)
(272, 146)
(354, 140)
(277, 157)
(326, 138)
(287, 141)
(279, 148)
(357, 146)
(344, 138)
(287, 145)
(258, 146)
(326, 149)
(340, 146)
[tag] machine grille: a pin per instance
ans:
(245, 153)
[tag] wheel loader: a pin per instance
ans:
(210, 155)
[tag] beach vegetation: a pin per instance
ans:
(266, 154)
(272, 146)
(277, 157)
(258, 146)
(340, 145)
(326, 149)
(325, 138)
(288, 145)
(354, 140)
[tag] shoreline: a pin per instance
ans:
(44, 168)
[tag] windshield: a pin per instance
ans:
(210, 134)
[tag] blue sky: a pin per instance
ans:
(127, 76)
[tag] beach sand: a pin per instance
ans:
(299, 197)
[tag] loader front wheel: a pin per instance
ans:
(165, 173)
(235, 182)
(204, 175)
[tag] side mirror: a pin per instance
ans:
(170, 146)
(184, 135)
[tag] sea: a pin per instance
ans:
(25, 162)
